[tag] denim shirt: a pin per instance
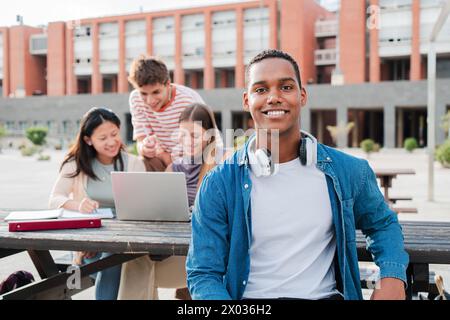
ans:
(218, 262)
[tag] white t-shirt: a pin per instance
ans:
(293, 239)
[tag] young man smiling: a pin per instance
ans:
(289, 233)
(155, 106)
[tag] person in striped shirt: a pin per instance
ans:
(155, 106)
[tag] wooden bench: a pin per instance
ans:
(401, 209)
(405, 210)
(395, 199)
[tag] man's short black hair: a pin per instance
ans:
(272, 53)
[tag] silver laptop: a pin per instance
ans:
(150, 196)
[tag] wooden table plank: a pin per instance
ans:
(393, 171)
(422, 239)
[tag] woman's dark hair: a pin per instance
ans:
(82, 153)
(198, 112)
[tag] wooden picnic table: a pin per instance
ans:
(426, 242)
(387, 175)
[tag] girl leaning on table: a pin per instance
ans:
(202, 149)
(84, 182)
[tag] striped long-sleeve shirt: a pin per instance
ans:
(164, 125)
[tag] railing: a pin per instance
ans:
(325, 57)
(38, 44)
(326, 28)
(395, 4)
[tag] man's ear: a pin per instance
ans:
(304, 97)
(245, 101)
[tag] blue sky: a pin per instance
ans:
(40, 12)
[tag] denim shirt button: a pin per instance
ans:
(246, 186)
(244, 283)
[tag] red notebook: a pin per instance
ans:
(54, 224)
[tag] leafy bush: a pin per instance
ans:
(29, 151)
(3, 131)
(44, 157)
(410, 144)
(37, 135)
(446, 123)
(376, 147)
(443, 154)
(368, 146)
(132, 149)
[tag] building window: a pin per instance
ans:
(23, 125)
(396, 70)
(443, 68)
(110, 84)
(10, 126)
(51, 126)
(66, 127)
(84, 85)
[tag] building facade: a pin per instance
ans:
(207, 48)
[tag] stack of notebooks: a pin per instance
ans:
(20, 221)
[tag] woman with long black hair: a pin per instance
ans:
(84, 182)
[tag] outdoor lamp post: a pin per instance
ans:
(432, 95)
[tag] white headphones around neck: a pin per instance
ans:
(261, 162)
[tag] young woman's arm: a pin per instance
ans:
(85, 206)
(63, 188)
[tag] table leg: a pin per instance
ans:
(44, 263)
(387, 183)
(418, 279)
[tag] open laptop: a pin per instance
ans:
(150, 196)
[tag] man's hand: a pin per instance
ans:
(148, 147)
(389, 289)
(165, 157)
